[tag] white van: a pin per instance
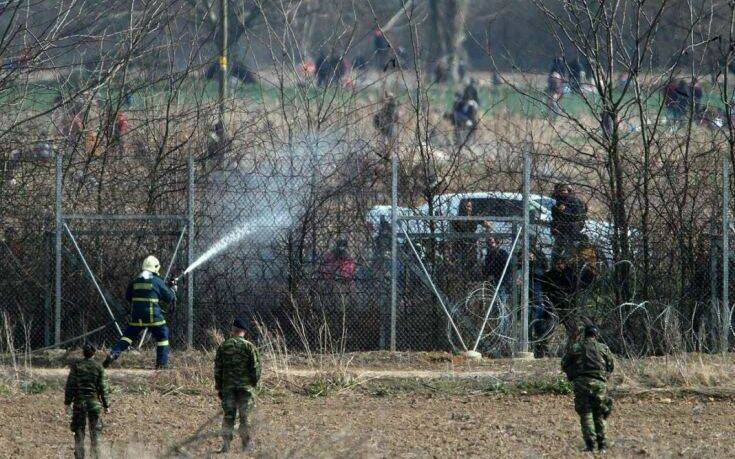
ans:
(499, 205)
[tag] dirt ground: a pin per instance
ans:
(413, 413)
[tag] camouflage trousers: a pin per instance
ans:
(593, 406)
(86, 412)
(236, 403)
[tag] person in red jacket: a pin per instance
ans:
(339, 264)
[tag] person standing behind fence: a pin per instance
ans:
(145, 293)
(555, 92)
(563, 285)
(85, 396)
(538, 266)
(382, 48)
(236, 375)
(493, 266)
(464, 249)
(385, 120)
(464, 117)
(568, 216)
(470, 92)
(588, 364)
(338, 264)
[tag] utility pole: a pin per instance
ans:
(725, 335)
(223, 62)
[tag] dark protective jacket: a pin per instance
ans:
(470, 93)
(561, 286)
(588, 358)
(539, 264)
(236, 365)
(145, 294)
(86, 382)
(495, 260)
(568, 216)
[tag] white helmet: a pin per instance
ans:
(151, 264)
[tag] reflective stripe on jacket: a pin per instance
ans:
(145, 293)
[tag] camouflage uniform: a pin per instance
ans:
(236, 374)
(86, 388)
(587, 364)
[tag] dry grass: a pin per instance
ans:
(684, 371)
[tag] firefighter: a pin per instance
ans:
(145, 294)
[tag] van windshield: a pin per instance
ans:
(545, 202)
(493, 207)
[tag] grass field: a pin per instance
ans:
(383, 405)
(39, 95)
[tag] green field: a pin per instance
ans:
(503, 99)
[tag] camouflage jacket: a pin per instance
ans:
(236, 365)
(86, 381)
(588, 358)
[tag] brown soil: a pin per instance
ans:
(414, 413)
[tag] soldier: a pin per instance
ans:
(587, 364)
(145, 292)
(236, 375)
(86, 389)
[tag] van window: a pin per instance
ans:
(547, 203)
(493, 207)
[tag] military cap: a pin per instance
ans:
(239, 323)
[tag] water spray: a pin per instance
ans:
(233, 237)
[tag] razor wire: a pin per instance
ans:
(436, 292)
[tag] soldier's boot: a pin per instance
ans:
(95, 451)
(79, 444)
(95, 440)
(225, 446)
(589, 445)
(245, 438)
(111, 357)
(601, 445)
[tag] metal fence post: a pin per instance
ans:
(714, 296)
(526, 241)
(393, 248)
(190, 251)
(724, 335)
(48, 249)
(57, 249)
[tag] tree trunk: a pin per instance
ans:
(448, 32)
(456, 35)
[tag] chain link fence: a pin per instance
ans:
(304, 199)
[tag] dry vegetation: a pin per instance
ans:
(378, 404)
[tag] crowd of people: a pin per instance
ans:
(556, 288)
(88, 123)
